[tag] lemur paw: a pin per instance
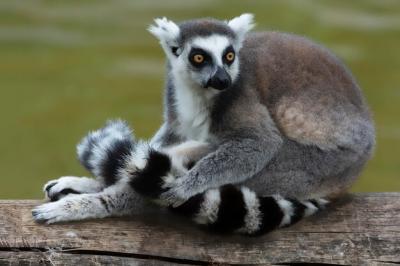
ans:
(175, 193)
(51, 212)
(68, 185)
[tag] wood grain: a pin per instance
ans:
(359, 229)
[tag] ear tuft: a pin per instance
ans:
(166, 31)
(242, 24)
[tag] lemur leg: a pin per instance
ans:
(184, 155)
(116, 157)
(306, 171)
(116, 200)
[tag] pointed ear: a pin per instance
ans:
(241, 25)
(168, 33)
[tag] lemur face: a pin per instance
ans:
(204, 53)
(210, 62)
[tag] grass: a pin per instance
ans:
(67, 66)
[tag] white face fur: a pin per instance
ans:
(214, 50)
(204, 61)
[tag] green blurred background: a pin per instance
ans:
(68, 66)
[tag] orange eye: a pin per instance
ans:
(230, 56)
(198, 58)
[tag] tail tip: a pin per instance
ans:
(321, 203)
(96, 145)
(314, 205)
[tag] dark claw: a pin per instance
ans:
(37, 220)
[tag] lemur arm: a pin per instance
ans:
(241, 154)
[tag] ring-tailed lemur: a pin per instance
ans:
(256, 125)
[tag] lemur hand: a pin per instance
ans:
(177, 191)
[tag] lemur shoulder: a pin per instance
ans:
(260, 128)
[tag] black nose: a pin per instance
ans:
(221, 80)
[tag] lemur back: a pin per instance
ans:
(311, 96)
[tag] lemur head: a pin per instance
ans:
(204, 52)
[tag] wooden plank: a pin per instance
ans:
(359, 229)
(58, 258)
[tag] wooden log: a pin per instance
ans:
(359, 229)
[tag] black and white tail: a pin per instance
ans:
(102, 152)
(228, 208)
(112, 153)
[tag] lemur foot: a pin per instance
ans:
(69, 185)
(73, 208)
(51, 212)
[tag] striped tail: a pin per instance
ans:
(103, 152)
(228, 208)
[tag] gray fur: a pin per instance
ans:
(203, 27)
